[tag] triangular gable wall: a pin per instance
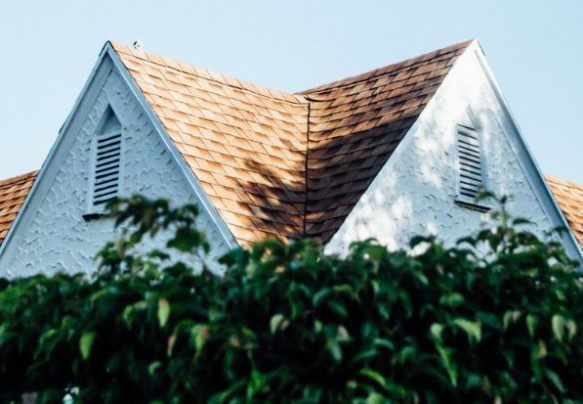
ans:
(415, 191)
(52, 215)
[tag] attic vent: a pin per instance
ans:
(470, 166)
(107, 148)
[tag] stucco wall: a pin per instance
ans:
(54, 235)
(414, 193)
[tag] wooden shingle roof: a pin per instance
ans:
(569, 196)
(279, 164)
(283, 165)
(13, 192)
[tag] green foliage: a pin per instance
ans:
(498, 316)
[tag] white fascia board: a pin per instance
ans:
(526, 159)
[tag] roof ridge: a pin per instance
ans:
(380, 71)
(210, 75)
(19, 178)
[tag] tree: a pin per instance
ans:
(494, 317)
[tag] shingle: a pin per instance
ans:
(13, 192)
(235, 134)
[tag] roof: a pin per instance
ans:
(285, 165)
(13, 192)
(569, 196)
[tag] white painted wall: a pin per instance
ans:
(414, 193)
(52, 234)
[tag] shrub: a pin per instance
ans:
(493, 318)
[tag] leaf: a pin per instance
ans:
(154, 366)
(511, 317)
(320, 296)
(472, 328)
(436, 329)
(163, 312)
(338, 308)
(199, 334)
(170, 344)
(374, 376)
(531, 324)
(572, 328)
(342, 334)
(335, 351)
(553, 377)
(275, 322)
(86, 343)
(449, 366)
(558, 326)
(452, 300)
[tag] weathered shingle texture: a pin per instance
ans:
(245, 144)
(570, 199)
(13, 192)
(286, 165)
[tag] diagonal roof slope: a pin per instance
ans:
(13, 192)
(569, 196)
(245, 144)
(284, 165)
(356, 124)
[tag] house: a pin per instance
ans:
(390, 153)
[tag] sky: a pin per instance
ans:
(535, 49)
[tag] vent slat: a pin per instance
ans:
(99, 190)
(471, 158)
(107, 149)
(471, 164)
(106, 169)
(105, 139)
(104, 162)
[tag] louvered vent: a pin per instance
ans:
(107, 163)
(471, 170)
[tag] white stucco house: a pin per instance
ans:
(394, 152)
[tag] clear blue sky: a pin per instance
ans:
(534, 47)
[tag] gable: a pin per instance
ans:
(13, 192)
(355, 126)
(417, 191)
(54, 229)
(284, 165)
